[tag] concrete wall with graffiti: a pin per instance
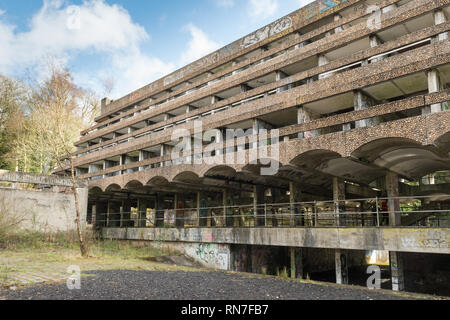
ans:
(215, 256)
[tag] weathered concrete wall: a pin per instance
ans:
(428, 240)
(46, 210)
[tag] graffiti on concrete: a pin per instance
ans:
(213, 255)
(434, 240)
(268, 32)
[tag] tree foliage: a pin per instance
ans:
(40, 123)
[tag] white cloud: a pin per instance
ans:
(261, 9)
(2, 12)
(225, 3)
(198, 46)
(93, 27)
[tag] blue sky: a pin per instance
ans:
(126, 42)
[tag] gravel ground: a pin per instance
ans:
(156, 285)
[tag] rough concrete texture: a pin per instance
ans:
(47, 209)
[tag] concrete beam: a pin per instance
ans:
(419, 240)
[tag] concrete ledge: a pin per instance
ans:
(19, 177)
(420, 240)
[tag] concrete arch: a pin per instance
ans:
(256, 168)
(113, 187)
(443, 142)
(404, 156)
(157, 181)
(187, 177)
(95, 190)
(134, 184)
(372, 150)
(220, 171)
(314, 158)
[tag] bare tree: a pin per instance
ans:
(56, 115)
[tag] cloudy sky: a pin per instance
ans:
(128, 42)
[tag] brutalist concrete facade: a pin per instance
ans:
(353, 95)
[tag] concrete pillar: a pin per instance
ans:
(142, 213)
(393, 204)
(256, 127)
(201, 220)
(224, 203)
(108, 214)
(143, 155)
(159, 216)
(323, 60)
(293, 268)
(94, 215)
(305, 115)
(397, 271)
(121, 217)
(258, 200)
(439, 18)
(341, 261)
(220, 139)
(362, 102)
(375, 42)
(336, 19)
(125, 217)
(338, 198)
(214, 99)
(295, 197)
(279, 75)
(434, 85)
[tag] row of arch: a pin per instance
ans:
(366, 163)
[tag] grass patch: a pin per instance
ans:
(55, 253)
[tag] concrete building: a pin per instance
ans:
(345, 104)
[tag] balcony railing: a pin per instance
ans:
(420, 211)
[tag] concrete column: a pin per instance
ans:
(323, 60)
(94, 215)
(125, 217)
(439, 18)
(279, 76)
(256, 127)
(224, 203)
(143, 155)
(142, 213)
(393, 204)
(338, 197)
(258, 200)
(341, 266)
(305, 115)
(362, 102)
(121, 216)
(108, 214)
(295, 197)
(336, 19)
(293, 268)
(201, 220)
(214, 99)
(375, 42)
(434, 85)
(397, 271)
(159, 215)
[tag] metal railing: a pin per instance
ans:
(369, 212)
